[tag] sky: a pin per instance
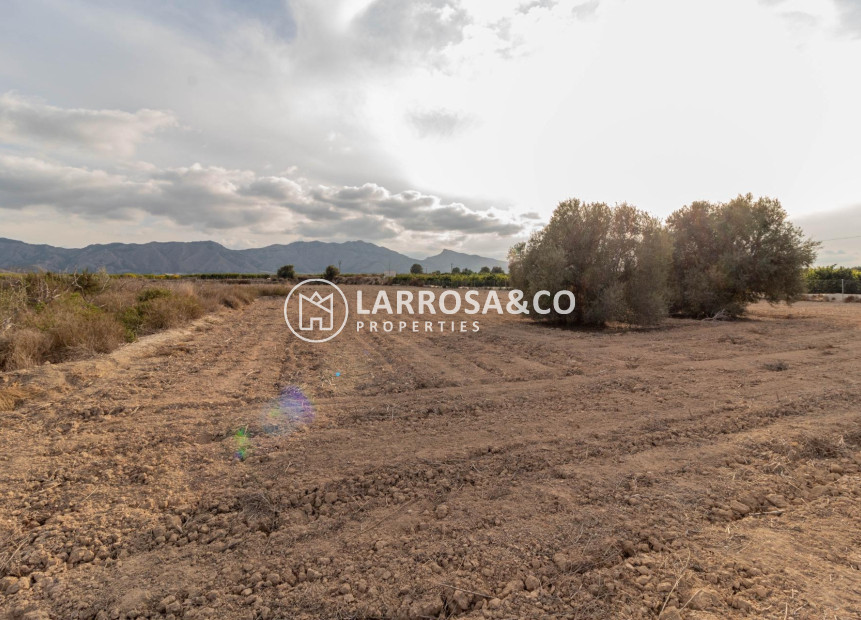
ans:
(420, 126)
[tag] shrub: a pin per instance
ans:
(56, 317)
(154, 293)
(287, 272)
(497, 269)
(614, 259)
(455, 270)
(331, 273)
(484, 269)
(416, 269)
(166, 312)
(728, 255)
(23, 347)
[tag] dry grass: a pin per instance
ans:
(11, 396)
(55, 317)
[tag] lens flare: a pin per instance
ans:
(291, 410)
(243, 443)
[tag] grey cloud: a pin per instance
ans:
(585, 10)
(850, 12)
(214, 198)
(365, 228)
(112, 132)
(438, 123)
(414, 211)
(537, 4)
(394, 30)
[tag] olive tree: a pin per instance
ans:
(727, 255)
(614, 259)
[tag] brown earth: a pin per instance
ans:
(700, 470)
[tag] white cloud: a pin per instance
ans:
(515, 104)
(111, 132)
(212, 198)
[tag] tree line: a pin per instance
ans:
(708, 259)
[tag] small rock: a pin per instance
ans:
(836, 468)
(441, 511)
(561, 561)
(664, 586)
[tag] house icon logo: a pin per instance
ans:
(314, 312)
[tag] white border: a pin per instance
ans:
(346, 309)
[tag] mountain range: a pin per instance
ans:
(182, 257)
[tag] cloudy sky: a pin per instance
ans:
(419, 125)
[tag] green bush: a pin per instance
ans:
(728, 255)
(287, 272)
(614, 260)
(451, 280)
(331, 273)
(153, 293)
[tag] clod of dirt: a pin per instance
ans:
(739, 508)
(441, 511)
(532, 583)
(427, 607)
(561, 561)
(778, 501)
(703, 600)
(457, 601)
(671, 613)
(515, 585)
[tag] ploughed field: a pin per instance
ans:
(696, 470)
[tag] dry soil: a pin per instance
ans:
(700, 470)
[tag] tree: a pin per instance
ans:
(614, 259)
(331, 273)
(484, 269)
(455, 270)
(416, 269)
(287, 272)
(727, 255)
(497, 269)
(467, 271)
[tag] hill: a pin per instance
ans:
(210, 257)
